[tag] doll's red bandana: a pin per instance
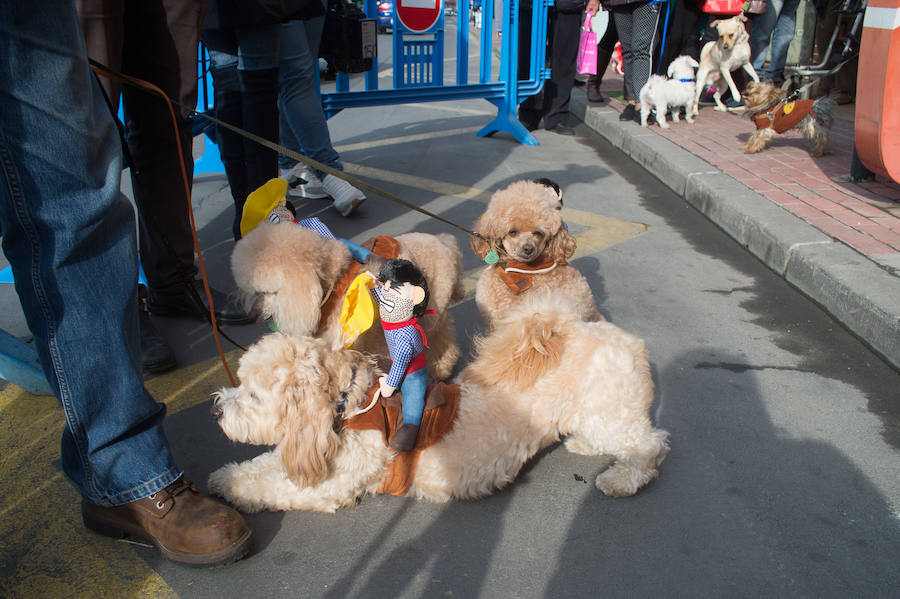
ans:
(412, 321)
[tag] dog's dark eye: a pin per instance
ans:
(513, 233)
(538, 234)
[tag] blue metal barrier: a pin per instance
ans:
(418, 67)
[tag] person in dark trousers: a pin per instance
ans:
(156, 41)
(551, 105)
(605, 48)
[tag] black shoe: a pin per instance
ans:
(734, 105)
(190, 301)
(629, 113)
(156, 355)
(530, 125)
(562, 129)
(651, 118)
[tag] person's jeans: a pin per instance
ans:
(303, 127)
(69, 235)
(780, 16)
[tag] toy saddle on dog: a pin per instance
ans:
(441, 403)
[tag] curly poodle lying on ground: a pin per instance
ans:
(523, 228)
(540, 375)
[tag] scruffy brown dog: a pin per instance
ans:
(768, 107)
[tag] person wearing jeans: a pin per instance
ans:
(69, 235)
(303, 127)
(778, 22)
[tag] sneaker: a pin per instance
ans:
(734, 106)
(346, 197)
(628, 113)
(302, 182)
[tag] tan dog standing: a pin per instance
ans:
(718, 59)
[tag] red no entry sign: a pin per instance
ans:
(418, 15)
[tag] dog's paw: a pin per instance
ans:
(623, 481)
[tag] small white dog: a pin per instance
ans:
(676, 91)
(540, 375)
(717, 59)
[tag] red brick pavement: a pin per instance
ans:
(865, 216)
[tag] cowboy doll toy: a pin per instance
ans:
(402, 294)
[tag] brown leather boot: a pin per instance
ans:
(593, 83)
(404, 438)
(592, 89)
(183, 524)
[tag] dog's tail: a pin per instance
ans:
(525, 344)
(823, 109)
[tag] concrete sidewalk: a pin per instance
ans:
(835, 241)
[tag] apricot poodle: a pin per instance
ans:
(524, 229)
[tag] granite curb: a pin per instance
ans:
(856, 291)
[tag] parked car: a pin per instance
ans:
(385, 15)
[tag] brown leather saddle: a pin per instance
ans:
(441, 403)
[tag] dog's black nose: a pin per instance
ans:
(215, 409)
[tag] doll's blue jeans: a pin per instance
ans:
(413, 390)
(69, 235)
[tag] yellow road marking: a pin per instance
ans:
(46, 552)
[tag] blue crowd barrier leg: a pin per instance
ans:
(507, 121)
(20, 366)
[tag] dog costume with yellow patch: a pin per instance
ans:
(785, 117)
(441, 405)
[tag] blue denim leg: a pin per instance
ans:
(70, 237)
(413, 391)
(302, 123)
(776, 17)
(781, 39)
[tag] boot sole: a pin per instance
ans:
(118, 530)
(177, 313)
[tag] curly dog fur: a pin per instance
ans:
(286, 272)
(542, 374)
(523, 224)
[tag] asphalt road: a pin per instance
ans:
(783, 479)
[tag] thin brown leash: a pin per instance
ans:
(104, 71)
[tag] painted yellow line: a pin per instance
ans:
(402, 139)
(46, 552)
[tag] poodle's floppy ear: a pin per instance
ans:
(309, 439)
(480, 243)
(561, 246)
